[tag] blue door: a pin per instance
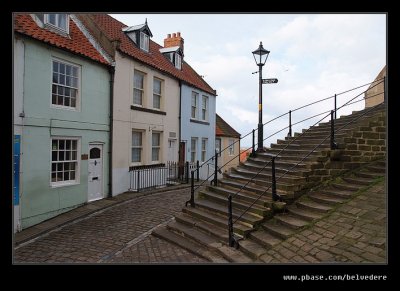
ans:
(17, 140)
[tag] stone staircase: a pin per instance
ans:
(308, 209)
(203, 229)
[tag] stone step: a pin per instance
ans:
(357, 181)
(244, 196)
(251, 188)
(192, 247)
(291, 152)
(347, 186)
(346, 194)
(368, 174)
(258, 181)
(280, 165)
(265, 238)
(216, 231)
(308, 215)
(278, 229)
(249, 218)
(194, 235)
(252, 248)
(304, 141)
(198, 213)
(287, 178)
(312, 139)
(233, 255)
(313, 206)
(236, 203)
(291, 221)
(291, 169)
(288, 159)
(376, 169)
(306, 147)
(327, 199)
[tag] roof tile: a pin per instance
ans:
(222, 128)
(112, 29)
(76, 42)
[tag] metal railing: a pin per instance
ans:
(275, 196)
(160, 175)
(333, 145)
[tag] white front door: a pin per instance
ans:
(95, 168)
(172, 151)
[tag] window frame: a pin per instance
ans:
(204, 145)
(196, 95)
(159, 95)
(193, 157)
(218, 149)
(137, 147)
(78, 88)
(178, 61)
(144, 42)
(142, 90)
(204, 110)
(231, 148)
(47, 22)
(158, 147)
(77, 162)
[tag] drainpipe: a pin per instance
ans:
(110, 150)
(179, 118)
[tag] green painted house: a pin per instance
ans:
(62, 85)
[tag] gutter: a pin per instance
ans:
(110, 150)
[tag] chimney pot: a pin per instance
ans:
(179, 34)
(168, 35)
(174, 35)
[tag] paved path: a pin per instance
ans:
(355, 233)
(118, 234)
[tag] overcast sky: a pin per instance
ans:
(313, 56)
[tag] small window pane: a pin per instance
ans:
(68, 70)
(156, 101)
(62, 68)
(75, 71)
(55, 78)
(73, 103)
(68, 80)
(95, 153)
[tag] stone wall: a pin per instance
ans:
(373, 96)
(366, 143)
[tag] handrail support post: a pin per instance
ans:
(333, 143)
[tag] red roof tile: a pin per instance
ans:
(222, 128)
(76, 42)
(112, 29)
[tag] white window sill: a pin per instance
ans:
(63, 184)
(64, 108)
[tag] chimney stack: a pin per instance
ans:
(175, 40)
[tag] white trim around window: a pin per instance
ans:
(156, 146)
(65, 90)
(57, 21)
(137, 147)
(157, 93)
(204, 108)
(195, 98)
(144, 41)
(64, 161)
(204, 142)
(139, 79)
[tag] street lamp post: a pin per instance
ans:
(260, 56)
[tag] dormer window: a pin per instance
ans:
(140, 35)
(174, 55)
(57, 22)
(178, 61)
(144, 41)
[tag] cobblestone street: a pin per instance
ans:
(355, 233)
(103, 237)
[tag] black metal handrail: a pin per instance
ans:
(276, 196)
(218, 169)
